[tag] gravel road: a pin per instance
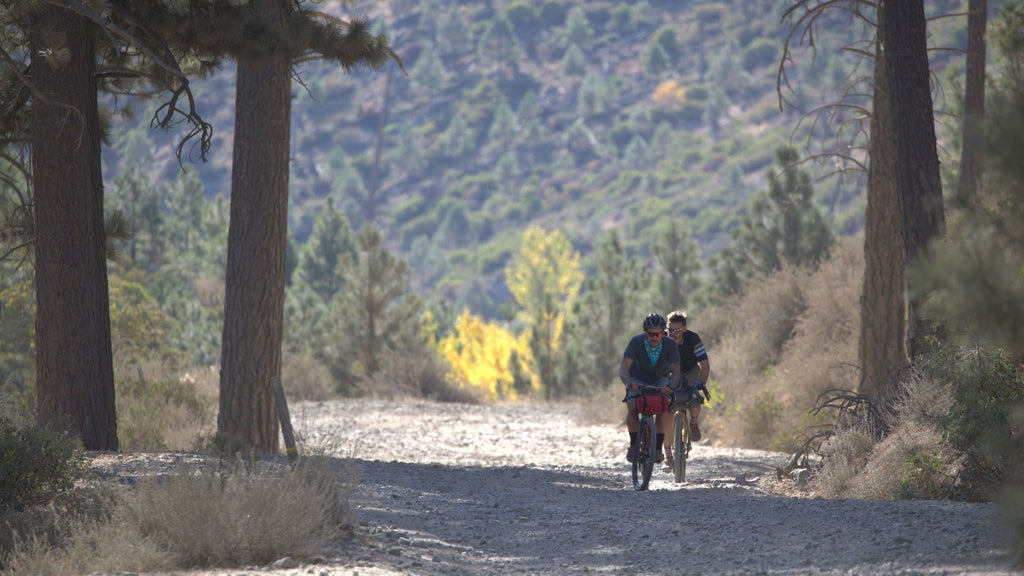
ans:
(455, 489)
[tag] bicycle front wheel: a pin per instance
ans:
(643, 465)
(638, 452)
(681, 440)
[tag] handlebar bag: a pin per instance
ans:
(651, 404)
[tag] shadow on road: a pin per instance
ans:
(433, 518)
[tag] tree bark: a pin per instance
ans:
(918, 183)
(74, 361)
(257, 236)
(971, 157)
(882, 327)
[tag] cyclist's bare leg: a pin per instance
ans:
(632, 418)
(662, 422)
(694, 412)
(665, 423)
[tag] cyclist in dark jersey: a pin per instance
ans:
(696, 367)
(648, 359)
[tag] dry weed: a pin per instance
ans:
(304, 378)
(791, 337)
(602, 405)
(844, 456)
(418, 376)
(201, 516)
(911, 462)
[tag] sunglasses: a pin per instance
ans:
(653, 334)
(675, 330)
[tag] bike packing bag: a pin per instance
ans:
(684, 398)
(651, 403)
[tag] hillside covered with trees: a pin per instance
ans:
(494, 223)
(587, 117)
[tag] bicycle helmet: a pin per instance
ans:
(654, 321)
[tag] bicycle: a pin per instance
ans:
(645, 448)
(681, 436)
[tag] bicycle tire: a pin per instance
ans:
(646, 449)
(680, 450)
(637, 474)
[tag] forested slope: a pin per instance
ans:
(581, 116)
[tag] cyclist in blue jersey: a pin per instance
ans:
(649, 359)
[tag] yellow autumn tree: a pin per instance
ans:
(669, 94)
(479, 352)
(544, 278)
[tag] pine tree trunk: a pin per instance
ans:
(971, 157)
(918, 183)
(254, 292)
(74, 361)
(882, 327)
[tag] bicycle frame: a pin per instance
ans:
(645, 447)
(681, 448)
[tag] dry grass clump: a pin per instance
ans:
(418, 376)
(201, 516)
(602, 404)
(784, 343)
(761, 321)
(162, 408)
(912, 461)
(844, 457)
(304, 378)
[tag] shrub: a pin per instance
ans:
(521, 14)
(988, 388)
(238, 513)
(37, 464)
(761, 52)
(760, 420)
(922, 476)
(692, 112)
(667, 39)
(553, 13)
(162, 415)
(844, 456)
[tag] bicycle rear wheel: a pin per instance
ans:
(682, 445)
(643, 464)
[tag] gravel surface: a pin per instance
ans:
(456, 489)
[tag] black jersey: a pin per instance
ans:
(691, 351)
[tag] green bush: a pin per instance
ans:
(667, 39)
(692, 112)
(37, 463)
(922, 477)
(698, 93)
(761, 52)
(553, 13)
(988, 389)
(521, 14)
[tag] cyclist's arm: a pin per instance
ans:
(705, 369)
(624, 372)
(673, 378)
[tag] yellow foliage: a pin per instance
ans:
(669, 93)
(479, 353)
(545, 275)
(545, 278)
